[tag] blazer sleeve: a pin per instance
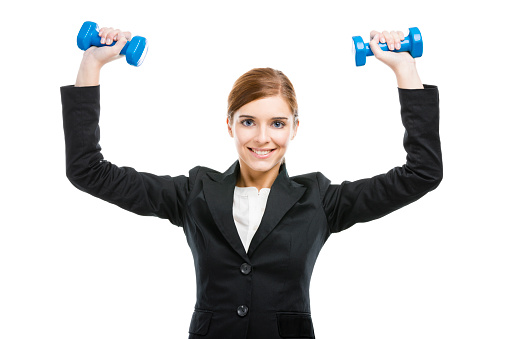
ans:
(138, 192)
(369, 199)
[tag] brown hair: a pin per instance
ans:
(260, 83)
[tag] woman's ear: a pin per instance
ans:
(230, 131)
(294, 132)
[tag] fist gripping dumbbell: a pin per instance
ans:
(134, 50)
(412, 44)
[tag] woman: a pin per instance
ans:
(255, 232)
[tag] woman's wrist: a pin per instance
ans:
(89, 72)
(407, 76)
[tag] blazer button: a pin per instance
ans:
(245, 268)
(242, 310)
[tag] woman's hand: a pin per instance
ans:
(95, 58)
(402, 64)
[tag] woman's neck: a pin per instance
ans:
(251, 178)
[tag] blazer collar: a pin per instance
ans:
(218, 191)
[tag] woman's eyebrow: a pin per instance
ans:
(252, 117)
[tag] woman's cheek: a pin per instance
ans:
(282, 138)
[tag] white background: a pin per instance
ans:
(73, 266)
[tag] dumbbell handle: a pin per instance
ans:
(96, 41)
(406, 46)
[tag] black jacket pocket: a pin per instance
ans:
(200, 322)
(295, 325)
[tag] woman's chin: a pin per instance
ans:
(261, 166)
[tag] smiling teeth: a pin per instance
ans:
(261, 152)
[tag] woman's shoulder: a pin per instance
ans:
(199, 172)
(310, 177)
(313, 180)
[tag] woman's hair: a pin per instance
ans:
(261, 83)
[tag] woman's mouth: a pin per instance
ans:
(261, 153)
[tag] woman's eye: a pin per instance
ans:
(279, 124)
(247, 122)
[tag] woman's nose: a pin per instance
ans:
(262, 136)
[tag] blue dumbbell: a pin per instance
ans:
(134, 51)
(412, 44)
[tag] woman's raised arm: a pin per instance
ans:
(138, 192)
(371, 198)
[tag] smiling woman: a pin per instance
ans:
(262, 130)
(255, 232)
(262, 118)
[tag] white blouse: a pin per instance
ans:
(248, 208)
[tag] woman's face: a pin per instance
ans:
(262, 130)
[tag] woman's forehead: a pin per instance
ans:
(268, 107)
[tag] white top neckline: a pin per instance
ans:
(244, 191)
(248, 208)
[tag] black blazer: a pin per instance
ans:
(264, 293)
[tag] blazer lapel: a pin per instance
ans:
(218, 192)
(284, 193)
